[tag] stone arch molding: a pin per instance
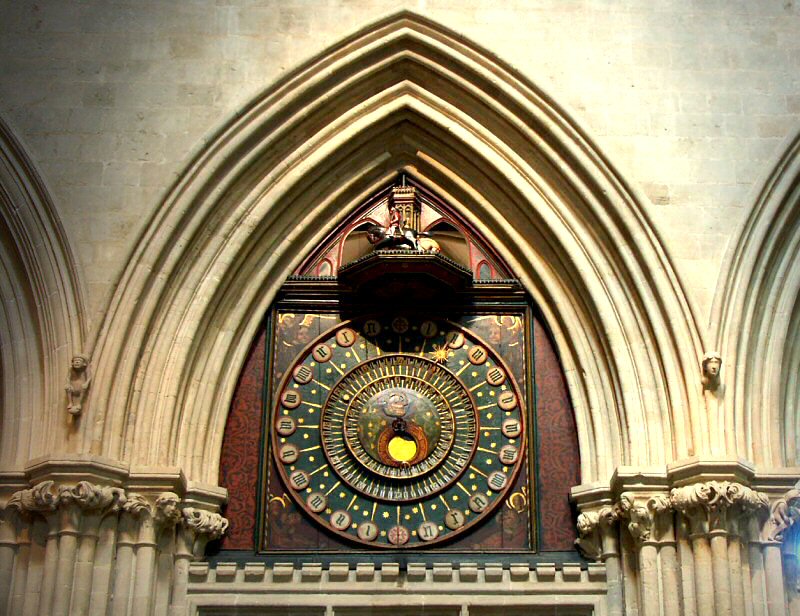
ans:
(41, 312)
(401, 94)
(758, 315)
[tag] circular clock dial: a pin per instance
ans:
(406, 420)
(398, 432)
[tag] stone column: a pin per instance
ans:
(165, 567)
(104, 566)
(609, 536)
(166, 514)
(630, 572)
(184, 542)
(708, 507)
(91, 537)
(773, 571)
(197, 528)
(598, 539)
(663, 532)
(134, 509)
(39, 532)
(95, 502)
(790, 579)
(738, 600)
(698, 502)
(791, 565)
(639, 524)
(686, 560)
(50, 562)
(145, 550)
(42, 499)
(68, 529)
(782, 515)
(755, 558)
(744, 519)
(21, 567)
(8, 549)
(649, 522)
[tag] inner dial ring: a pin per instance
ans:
(403, 418)
(396, 408)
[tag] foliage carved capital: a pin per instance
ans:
(137, 506)
(41, 498)
(716, 506)
(92, 498)
(648, 520)
(783, 513)
(593, 526)
(204, 523)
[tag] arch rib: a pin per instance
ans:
(758, 320)
(404, 93)
(42, 322)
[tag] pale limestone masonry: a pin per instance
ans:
(444, 588)
(165, 165)
(674, 545)
(690, 100)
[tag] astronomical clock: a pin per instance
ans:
(399, 430)
(398, 405)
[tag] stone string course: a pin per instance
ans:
(459, 574)
(389, 588)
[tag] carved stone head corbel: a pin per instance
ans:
(711, 365)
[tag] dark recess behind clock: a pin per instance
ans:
(556, 445)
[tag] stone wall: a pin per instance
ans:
(691, 101)
(164, 165)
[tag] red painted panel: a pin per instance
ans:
(240, 451)
(559, 460)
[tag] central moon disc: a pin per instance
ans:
(402, 449)
(409, 427)
(415, 416)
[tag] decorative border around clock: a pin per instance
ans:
(424, 545)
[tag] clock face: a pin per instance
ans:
(398, 432)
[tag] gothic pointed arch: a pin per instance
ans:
(758, 316)
(41, 310)
(403, 94)
(403, 287)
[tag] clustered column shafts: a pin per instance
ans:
(714, 548)
(791, 548)
(599, 540)
(90, 550)
(8, 546)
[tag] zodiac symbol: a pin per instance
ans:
(518, 501)
(283, 499)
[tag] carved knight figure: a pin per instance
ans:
(396, 235)
(395, 226)
(77, 384)
(712, 362)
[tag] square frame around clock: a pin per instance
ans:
(498, 314)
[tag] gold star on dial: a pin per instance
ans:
(439, 353)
